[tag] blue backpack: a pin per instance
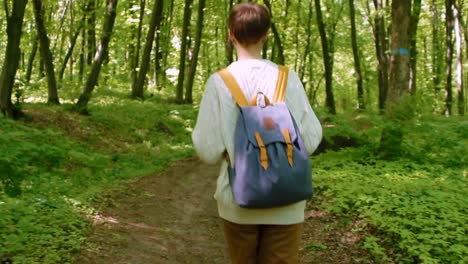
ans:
(272, 167)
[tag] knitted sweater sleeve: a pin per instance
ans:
(300, 108)
(207, 135)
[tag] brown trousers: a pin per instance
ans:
(263, 244)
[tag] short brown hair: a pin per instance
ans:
(249, 22)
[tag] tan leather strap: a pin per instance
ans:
(281, 84)
(263, 152)
(233, 87)
(289, 148)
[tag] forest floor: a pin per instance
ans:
(171, 217)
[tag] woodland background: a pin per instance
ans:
(98, 92)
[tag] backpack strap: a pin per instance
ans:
(281, 84)
(233, 87)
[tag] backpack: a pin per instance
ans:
(272, 167)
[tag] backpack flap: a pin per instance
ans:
(270, 122)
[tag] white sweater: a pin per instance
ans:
(214, 133)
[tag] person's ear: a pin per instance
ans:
(231, 36)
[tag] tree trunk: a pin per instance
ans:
(183, 52)
(436, 50)
(278, 44)
(396, 110)
(357, 62)
(229, 46)
(70, 51)
(449, 25)
(413, 48)
(45, 52)
(31, 58)
(12, 56)
(91, 30)
(302, 68)
(196, 50)
(135, 58)
(297, 61)
(327, 61)
(459, 60)
(99, 56)
(138, 92)
(82, 58)
(381, 47)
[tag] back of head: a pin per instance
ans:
(249, 22)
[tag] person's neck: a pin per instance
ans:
(249, 52)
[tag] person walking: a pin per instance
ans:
(253, 235)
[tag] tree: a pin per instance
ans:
(183, 52)
(137, 92)
(436, 50)
(381, 47)
(414, 20)
(327, 60)
(12, 56)
(91, 30)
(277, 56)
(459, 59)
(449, 25)
(99, 56)
(396, 105)
(196, 50)
(357, 62)
(135, 47)
(46, 55)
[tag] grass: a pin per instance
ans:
(56, 163)
(414, 206)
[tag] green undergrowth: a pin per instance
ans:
(55, 164)
(414, 206)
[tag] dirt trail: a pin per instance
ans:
(171, 217)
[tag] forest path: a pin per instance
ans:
(171, 217)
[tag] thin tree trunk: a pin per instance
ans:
(70, 51)
(357, 61)
(12, 56)
(449, 25)
(91, 30)
(459, 60)
(436, 50)
(229, 46)
(82, 58)
(138, 92)
(381, 46)
(45, 52)
(135, 57)
(101, 52)
(31, 58)
(302, 68)
(196, 50)
(276, 36)
(416, 6)
(327, 61)
(183, 52)
(296, 34)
